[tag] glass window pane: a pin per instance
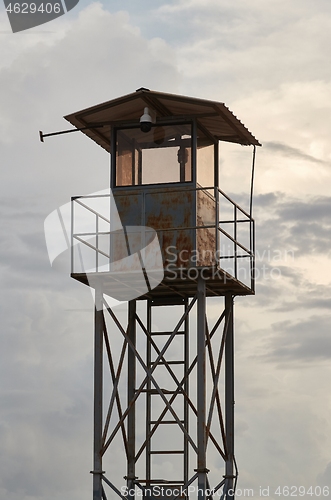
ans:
(205, 166)
(162, 155)
(124, 169)
(124, 161)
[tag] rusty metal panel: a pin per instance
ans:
(206, 237)
(130, 207)
(170, 213)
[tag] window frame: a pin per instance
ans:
(163, 123)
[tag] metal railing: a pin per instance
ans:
(92, 227)
(93, 234)
(240, 217)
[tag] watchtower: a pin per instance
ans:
(164, 180)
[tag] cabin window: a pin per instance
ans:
(162, 155)
(205, 164)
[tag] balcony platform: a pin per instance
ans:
(176, 285)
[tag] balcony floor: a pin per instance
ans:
(172, 287)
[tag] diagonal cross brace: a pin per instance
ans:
(149, 375)
(115, 394)
(217, 373)
(180, 384)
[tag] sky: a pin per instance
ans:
(269, 62)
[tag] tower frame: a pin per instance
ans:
(202, 362)
(202, 408)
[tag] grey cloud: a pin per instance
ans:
(325, 477)
(308, 296)
(260, 46)
(291, 152)
(46, 365)
(313, 209)
(302, 341)
(301, 226)
(287, 229)
(46, 424)
(310, 238)
(266, 200)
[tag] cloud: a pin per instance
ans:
(270, 64)
(293, 266)
(324, 479)
(312, 209)
(290, 152)
(52, 75)
(307, 340)
(47, 318)
(299, 227)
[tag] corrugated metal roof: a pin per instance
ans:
(213, 118)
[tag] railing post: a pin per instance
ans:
(72, 236)
(217, 223)
(235, 243)
(253, 252)
(96, 242)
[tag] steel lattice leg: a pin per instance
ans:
(131, 423)
(211, 351)
(98, 395)
(201, 384)
(229, 396)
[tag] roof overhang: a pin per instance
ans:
(214, 119)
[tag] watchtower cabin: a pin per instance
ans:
(165, 235)
(164, 175)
